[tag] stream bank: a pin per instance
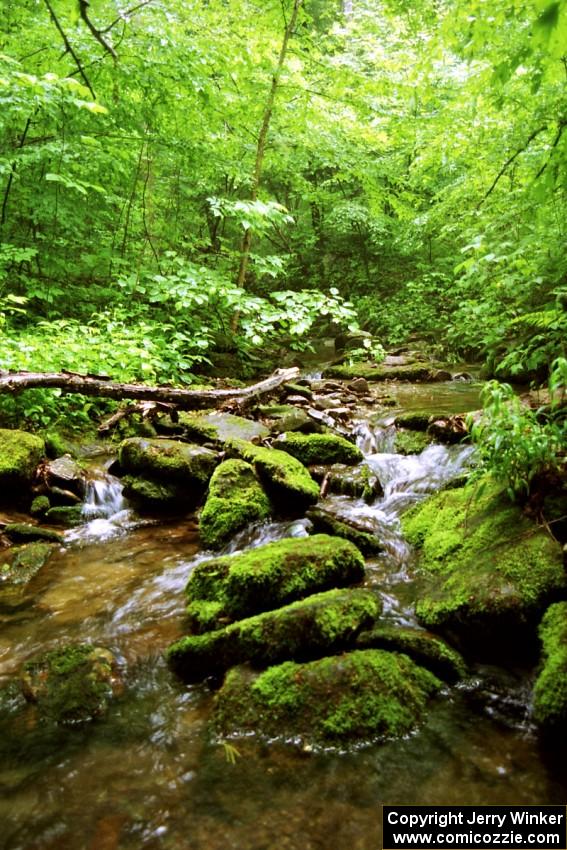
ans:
(149, 776)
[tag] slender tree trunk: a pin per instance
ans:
(263, 137)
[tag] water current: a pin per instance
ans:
(148, 776)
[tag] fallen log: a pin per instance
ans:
(184, 399)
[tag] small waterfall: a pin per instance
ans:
(374, 438)
(105, 511)
(406, 480)
(103, 497)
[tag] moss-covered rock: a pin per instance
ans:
(360, 695)
(263, 578)
(357, 532)
(287, 482)
(411, 442)
(550, 690)
(168, 460)
(418, 371)
(153, 496)
(488, 571)
(73, 684)
(20, 564)
(220, 427)
(319, 625)
(300, 390)
(286, 417)
(65, 515)
(357, 481)
(23, 532)
(39, 506)
(319, 448)
(413, 420)
(20, 454)
(422, 647)
(234, 500)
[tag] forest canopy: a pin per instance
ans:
(183, 179)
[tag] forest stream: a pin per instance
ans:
(149, 776)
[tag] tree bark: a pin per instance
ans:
(92, 385)
(263, 138)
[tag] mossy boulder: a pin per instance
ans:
(153, 496)
(234, 500)
(71, 685)
(413, 420)
(349, 529)
(263, 578)
(299, 390)
(319, 625)
(65, 515)
(488, 571)
(550, 690)
(285, 479)
(417, 371)
(357, 481)
(20, 454)
(359, 695)
(23, 532)
(424, 648)
(168, 460)
(319, 448)
(219, 427)
(286, 417)
(17, 568)
(39, 506)
(411, 442)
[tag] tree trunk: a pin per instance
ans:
(93, 385)
(263, 137)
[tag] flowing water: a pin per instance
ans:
(148, 776)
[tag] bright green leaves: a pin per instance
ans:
(516, 443)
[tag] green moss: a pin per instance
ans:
(325, 521)
(422, 647)
(169, 461)
(20, 454)
(40, 506)
(55, 444)
(550, 690)
(411, 442)
(287, 417)
(359, 695)
(148, 495)
(321, 624)
(23, 532)
(273, 575)
(319, 448)
(413, 420)
(220, 427)
(68, 515)
(357, 481)
(204, 615)
(22, 563)
(286, 480)
(300, 390)
(488, 570)
(409, 372)
(72, 684)
(235, 499)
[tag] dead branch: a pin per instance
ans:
(185, 399)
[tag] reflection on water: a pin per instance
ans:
(149, 777)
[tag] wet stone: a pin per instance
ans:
(73, 684)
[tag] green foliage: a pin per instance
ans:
(516, 443)
(414, 166)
